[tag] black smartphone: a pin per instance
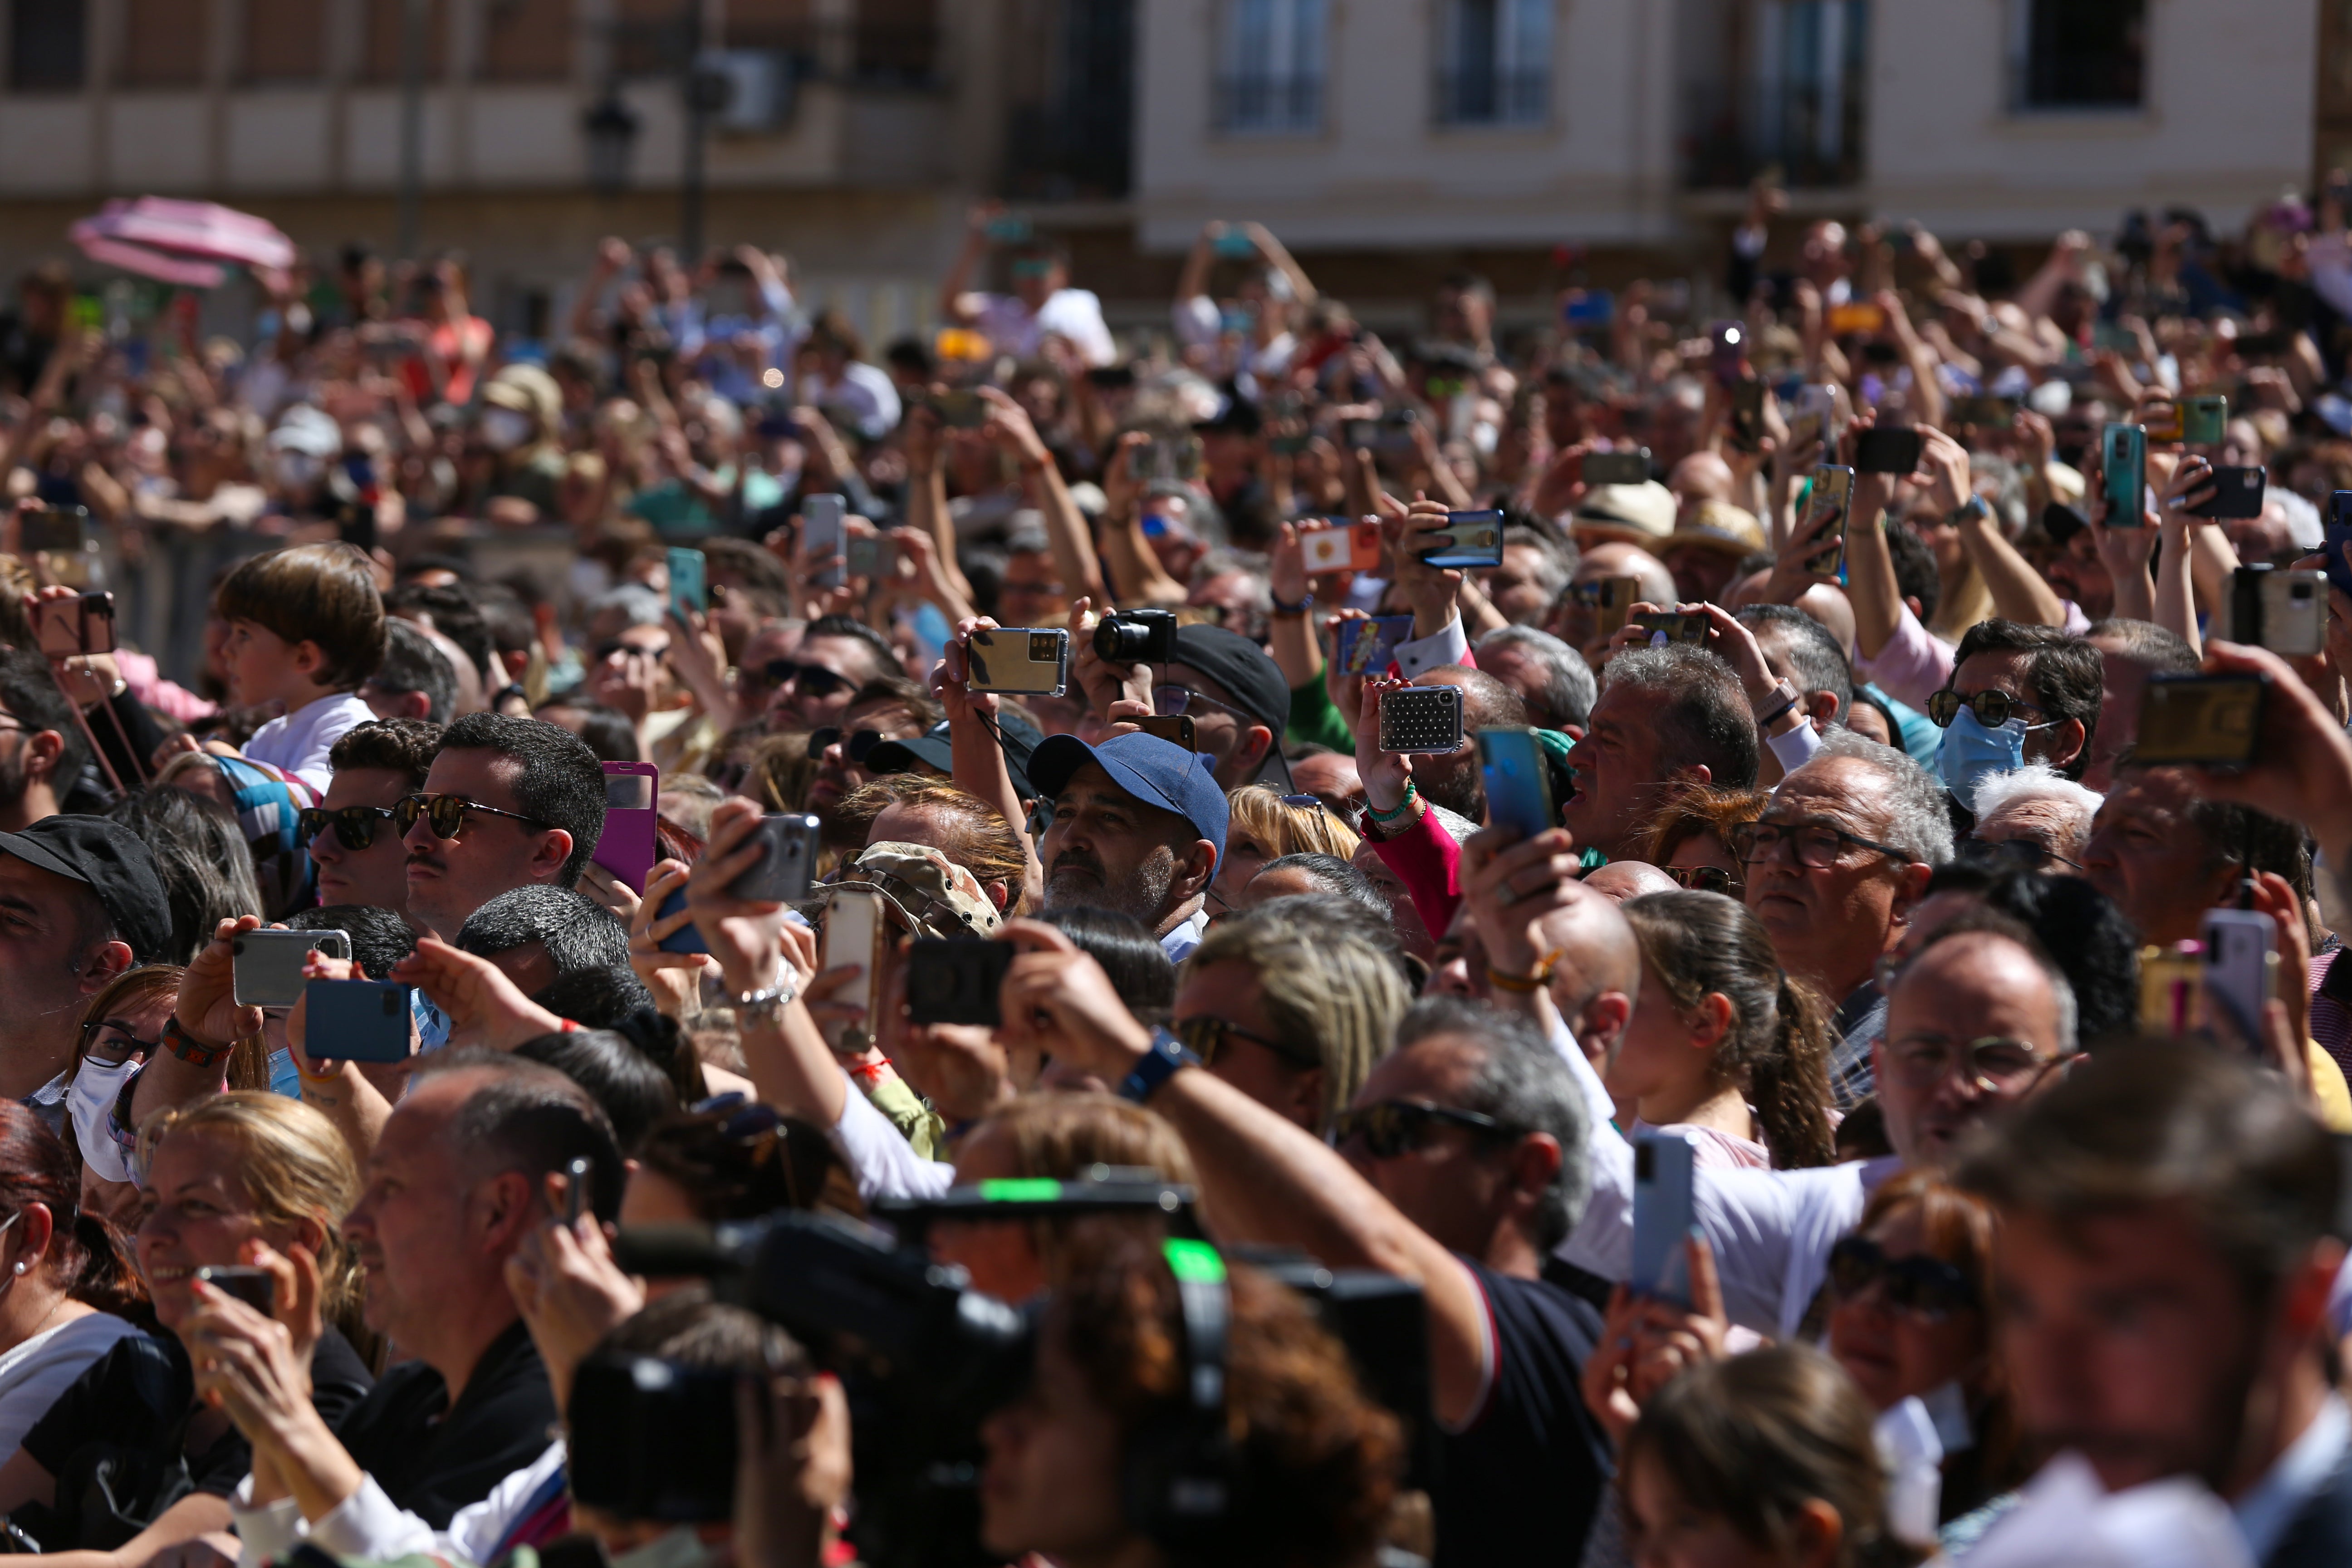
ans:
(955, 980)
(2214, 721)
(2237, 492)
(358, 1020)
(1747, 413)
(254, 1287)
(1111, 375)
(782, 873)
(1421, 719)
(2339, 541)
(1175, 728)
(1887, 449)
(1618, 467)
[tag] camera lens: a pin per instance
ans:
(1121, 641)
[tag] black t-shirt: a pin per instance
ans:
(1522, 1482)
(431, 1458)
(142, 1394)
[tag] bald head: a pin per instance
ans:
(1702, 476)
(1621, 879)
(1827, 604)
(1598, 955)
(1617, 559)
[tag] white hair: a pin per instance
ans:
(2036, 781)
(1916, 823)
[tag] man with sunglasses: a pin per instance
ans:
(837, 654)
(1835, 866)
(888, 708)
(508, 803)
(2018, 694)
(356, 852)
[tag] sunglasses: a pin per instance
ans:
(1393, 1126)
(813, 678)
(860, 744)
(446, 814)
(354, 826)
(1205, 1037)
(1173, 700)
(1706, 880)
(1923, 1286)
(1993, 708)
(605, 650)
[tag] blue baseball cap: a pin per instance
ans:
(1155, 772)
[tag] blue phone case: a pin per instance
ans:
(1465, 558)
(688, 586)
(688, 937)
(2124, 452)
(1662, 1215)
(2338, 537)
(356, 1020)
(1518, 788)
(1368, 646)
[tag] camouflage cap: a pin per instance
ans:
(932, 894)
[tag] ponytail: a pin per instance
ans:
(1789, 1082)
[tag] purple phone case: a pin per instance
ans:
(629, 844)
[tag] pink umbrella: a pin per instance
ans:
(181, 242)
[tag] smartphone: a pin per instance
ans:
(575, 1189)
(2339, 541)
(956, 980)
(1033, 660)
(2241, 970)
(853, 930)
(823, 519)
(1469, 539)
(2212, 719)
(55, 541)
(1815, 418)
(1177, 729)
(1747, 413)
(1618, 467)
(1726, 350)
(1368, 646)
(1007, 229)
(630, 843)
(1234, 242)
(2171, 989)
(1887, 449)
(1832, 489)
(2237, 492)
(266, 966)
(357, 1020)
(686, 938)
(63, 628)
(1111, 377)
(1858, 317)
(2285, 611)
(1662, 1215)
(1613, 602)
(1341, 546)
(780, 876)
(2163, 422)
(2123, 457)
(1677, 625)
(2203, 420)
(1421, 719)
(861, 556)
(965, 410)
(1588, 308)
(689, 587)
(1518, 783)
(1174, 457)
(1983, 411)
(254, 1287)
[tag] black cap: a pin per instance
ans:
(1242, 668)
(933, 747)
(114, 863)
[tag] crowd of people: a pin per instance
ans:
(773, 1085)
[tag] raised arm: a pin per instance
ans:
(1302, 287)
(1010, 427)
(1137, 578)
(955, 304)
(976, 762)
(2019, 591)
(927, 491)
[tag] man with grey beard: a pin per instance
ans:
(1138, 828)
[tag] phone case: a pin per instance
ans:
(956, 980)
(1618, 467)
(1421, 719)
(852, 925)
(826, 535)
(1662, 1163)
(2204, 420)
(1887, 449)
(1469, 541)
(266, 966)
(2294, 613)
(1832, 486)
(1618, 597)
(1342, 547)
(1519, 784)
(2239, 972)
(2123, 452)
(781, 875)
(1368, 646)
(2237, 492)
(1033, 660)
(630, 843)
(686, 938)
(1175, 728)
(357, 1020)
(2215, 720)
(2339, 544)
(687, 588)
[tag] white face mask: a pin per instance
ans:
(89, 1102)
(504, 429)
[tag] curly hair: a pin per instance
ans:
(1696, 808)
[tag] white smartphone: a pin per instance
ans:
(853, 927)
(2241, 970)
(266, 966)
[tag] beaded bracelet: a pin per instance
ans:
(1402, 806)
(192, 1050)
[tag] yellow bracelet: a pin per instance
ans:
(1535, 980)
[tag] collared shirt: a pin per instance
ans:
(299, 742)
(1178, 943)
(1860, 1024)
(48, 1103)
(1447, 644)
(2266, 1510)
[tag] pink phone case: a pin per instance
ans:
(628, 847)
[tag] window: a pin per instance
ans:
(2080, 54)
(527, 40)
(1495, 62)
(285, 41)
(165, 43)
(386, 24)
(44, 45)
(1270, 66)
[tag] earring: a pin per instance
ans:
(20, 1268)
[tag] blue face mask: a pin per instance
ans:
(1973, 753)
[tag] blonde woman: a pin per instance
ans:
(1292, 1015)
(229, 1180)
(1266, 826)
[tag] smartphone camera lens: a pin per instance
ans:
(237, 949)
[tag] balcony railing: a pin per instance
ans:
(1732, 133)
(1480, 97)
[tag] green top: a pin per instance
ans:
(1316, 719)
(916, 1121)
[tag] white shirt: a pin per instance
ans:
(298, 743)
(370, 1525)
(864, 393)
(1072, 314)
(884, 1165)
(35, 1372)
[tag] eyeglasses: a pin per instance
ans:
(2023, 852)
(605, 650)
(1924, 1287)
(1206, 1036)
(861, 742)
(1393, 1126)
(1991, 1063)
(1706, 880)
(446, 814)
(1992, 706)
(124, 1032)
(354, 826)
(1817, 844)
(1173, 700)
(813, 678)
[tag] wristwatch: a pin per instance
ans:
(1167, 1058)
(1973, 507)
(1783, 696)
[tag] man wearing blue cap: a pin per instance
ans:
(1138, 828)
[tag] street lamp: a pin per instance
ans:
(612, 131)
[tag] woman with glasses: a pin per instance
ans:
(1910, 1316)
(120, 1028)
(1723, 1044)
(1266, 826)
(1690, 838)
